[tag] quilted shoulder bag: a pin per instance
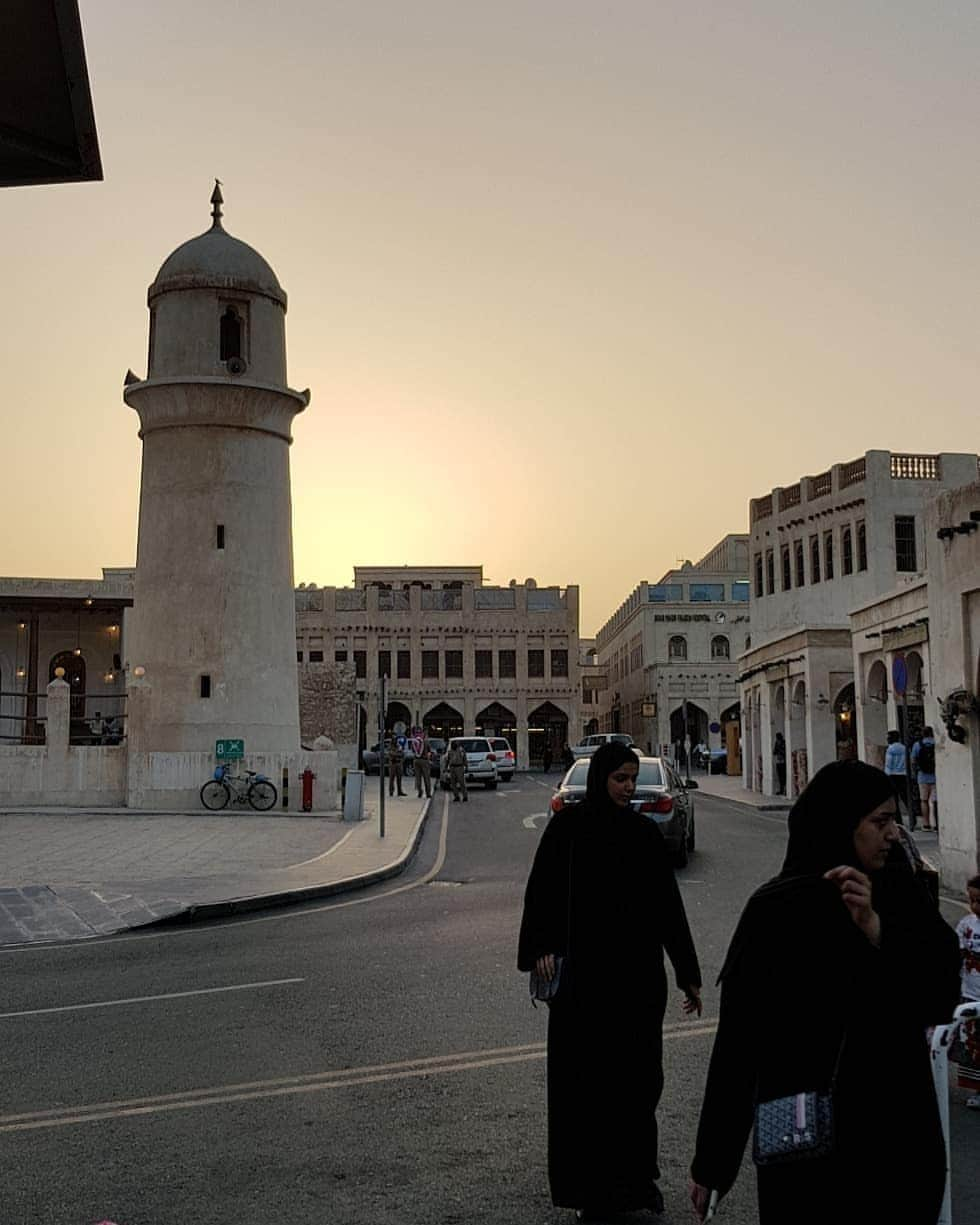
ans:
(799, 1127)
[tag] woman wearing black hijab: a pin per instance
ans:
(602, 892)
(842, 960)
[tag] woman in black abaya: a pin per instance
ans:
(841, 957)
(602, 893)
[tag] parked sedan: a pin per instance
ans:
(588, 746)
(660, 794)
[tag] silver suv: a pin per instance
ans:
(589, 744)
(481, 761)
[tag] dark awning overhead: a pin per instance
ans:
(47, 125)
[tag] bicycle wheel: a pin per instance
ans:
(215, 795)
(262, 795)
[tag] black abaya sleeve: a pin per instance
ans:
(677, 938)
(729, 1097)
(544, 924)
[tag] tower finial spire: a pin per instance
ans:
(217, 199)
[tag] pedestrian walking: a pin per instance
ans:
(546, 757)
(837, 967)
(602, 896)
(924, 763)
(423, 763)
(779, 761)
(396, 759)
(456, 764)
(895, 768)
(567, 756)
(967, 1053)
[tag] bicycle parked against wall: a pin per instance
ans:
(250, 788)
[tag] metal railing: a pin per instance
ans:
(22, 717)
(94, 719)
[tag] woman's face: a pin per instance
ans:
(622, 783)
(874, 836)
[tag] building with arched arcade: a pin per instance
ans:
(462, 658)
(820, 549)
(672, 646)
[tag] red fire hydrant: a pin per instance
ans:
(306, 778)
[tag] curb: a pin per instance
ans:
(202, 911)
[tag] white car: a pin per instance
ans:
(505, 758)
(589, 745)
(481, 761)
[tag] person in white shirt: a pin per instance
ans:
(968, 931)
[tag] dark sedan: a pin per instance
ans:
(660, 794)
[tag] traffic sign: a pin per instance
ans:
(227, 750)
(900, 675)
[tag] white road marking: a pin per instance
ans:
(528, 822)
(146, 999)
(316, 858)
(318, 1082)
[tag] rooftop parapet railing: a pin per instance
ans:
(494, 597)
(853, 473)
(819, 486)
(393, 601)
(789, 497)
(916, 468)
(544, 599)
(442, 600)
(351, 600)
(762, 507)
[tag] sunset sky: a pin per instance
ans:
(569, 281)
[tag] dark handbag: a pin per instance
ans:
(545, 989)
(542, 988)
(799, 1127)
(795, 1128)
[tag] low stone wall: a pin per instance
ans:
(174, 780)
(77, 777)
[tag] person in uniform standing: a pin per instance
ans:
(423, 763)
(396, 760)
(456, 764)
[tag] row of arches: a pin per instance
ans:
(547, 725)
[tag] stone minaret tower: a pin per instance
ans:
(214, 623)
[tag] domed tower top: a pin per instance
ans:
(217, 311)
(216, 260)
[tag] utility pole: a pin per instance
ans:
(382, 711)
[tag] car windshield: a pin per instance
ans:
(650, 774)
(473, 746)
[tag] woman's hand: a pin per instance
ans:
(855, 892)
(692, 1000)
(545, 966)
(699, 1198)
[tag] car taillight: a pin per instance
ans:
(509, 755)
(491, 757)
(662, 804)
(557, 803)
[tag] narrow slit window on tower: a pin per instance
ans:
(221, 536)
(231, 334)
(205, 685)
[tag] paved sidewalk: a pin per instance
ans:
(729, 787)
(71, 874)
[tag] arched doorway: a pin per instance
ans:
(546, 724)
(797, 739)
(777, 727)
(912, 711)
(696, 729)
(74, 666)
(731, 737)
(398, 716)
(443, 721)
(874, 714)
(845, 731)
(497, 720)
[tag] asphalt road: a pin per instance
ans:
(374, 1059)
